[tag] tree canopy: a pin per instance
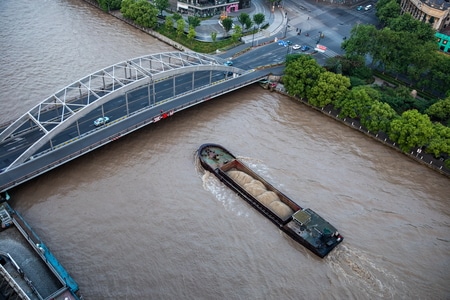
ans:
(227, 24)
(301, 75)
(440, 111)
(259, 19)
(161, 5)
(245, 20)
(411, 129)
(404, 46)
(108, 5)
(328, 88)
(194, 21)
(141, 12)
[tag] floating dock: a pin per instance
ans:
(28, 269)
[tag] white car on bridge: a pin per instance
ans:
(101, 121)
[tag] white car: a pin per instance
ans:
(101, 121)
(296, 47)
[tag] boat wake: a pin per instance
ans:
(354, 268)
(229, 200)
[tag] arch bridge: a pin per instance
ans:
(146, 86)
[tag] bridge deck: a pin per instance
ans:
(58, 133)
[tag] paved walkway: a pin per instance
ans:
(277, 24)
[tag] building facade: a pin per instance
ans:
(435, 12)
(209, 8)
(443, 42)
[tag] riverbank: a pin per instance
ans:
(153, 33)
(416, 154)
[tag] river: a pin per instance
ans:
(138, 218)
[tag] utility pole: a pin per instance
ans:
(287, 24)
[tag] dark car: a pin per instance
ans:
(305, 48)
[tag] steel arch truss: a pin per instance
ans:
(81, 97)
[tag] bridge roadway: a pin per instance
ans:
(132, 94)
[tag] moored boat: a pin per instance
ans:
(302, 224)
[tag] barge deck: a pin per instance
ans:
(302, 224)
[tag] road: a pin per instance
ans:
(308, 24)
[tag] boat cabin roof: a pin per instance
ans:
(302, 217)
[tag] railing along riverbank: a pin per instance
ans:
(417, 154)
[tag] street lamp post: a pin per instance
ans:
(320, 36)
(287, 25)
(253, 39)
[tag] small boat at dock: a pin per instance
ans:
(302, 224)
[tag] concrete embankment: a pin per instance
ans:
(416, 154)
(153, 33)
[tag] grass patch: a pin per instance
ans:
(390, 79)
(197, 46)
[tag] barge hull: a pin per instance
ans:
(303, 225)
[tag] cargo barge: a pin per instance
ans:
(302, 224)
(28, 269)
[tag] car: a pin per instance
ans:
(289, 43)
(368, 7)
(360, 7)
(228, 63)
(101, 121)
(296, 47)
(305, 48)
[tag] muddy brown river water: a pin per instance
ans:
(138, 218)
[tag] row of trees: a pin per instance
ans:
(142, 12)
(404, 46)
(145, 13)
(108, 5)
(304, 78)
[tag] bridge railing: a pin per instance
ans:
(119, 134)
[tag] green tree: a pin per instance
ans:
(438, 76)
(194, 21)
(227, 24)
(300, 75)
(161, 5)
(440, 111)
(180, 27)
(127, 8)
(387, 10)
(406, 23)
(360, 42)
(412, 129)
(108, 5)
(243, 18)
(329, 87)
(177, 16)
(214, 36)
(355, 104)
(237, 34)
(440, 141)
(259, 19)
(142, 12)
(168, 23)
(422, 56)
(379, 117)
(191, 34)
